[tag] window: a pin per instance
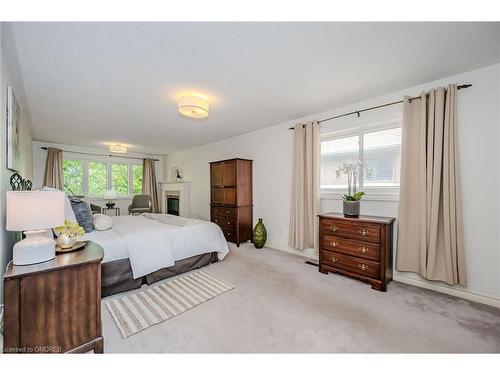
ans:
(73, 176)
(94, 177)
(137, 179)
(333, 153)
(378, 149)
(382, 157)
(98, 178)
(119, 177)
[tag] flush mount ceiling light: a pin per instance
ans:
(119, 149)
(193, 106)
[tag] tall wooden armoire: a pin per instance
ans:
(231, 202)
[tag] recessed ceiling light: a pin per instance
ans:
(193, 106)
(118, 148)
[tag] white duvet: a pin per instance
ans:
(154, 241)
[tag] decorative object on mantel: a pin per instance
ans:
(110, 195)
(351, 204)
(18, 183)
(13, 130)
(176, 174)
(259, 235)
(34, 212)
(27, 185)
(68, 233)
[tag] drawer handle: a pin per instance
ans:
(364, 249)
(228, 211)
(333, 244)
(363, 267)
(334, 228)
(228, 233)
(333, 259)
(216, 221)
(364, 232)
(228, 222)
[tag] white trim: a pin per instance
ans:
(306, 253)
(471, 296)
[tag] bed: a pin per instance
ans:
(151, 247)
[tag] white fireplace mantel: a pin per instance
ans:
(182, 189)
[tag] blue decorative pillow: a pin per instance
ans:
(83, 214)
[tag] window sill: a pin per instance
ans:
(370, 195)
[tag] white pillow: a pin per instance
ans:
(69, 214)
(102, 222)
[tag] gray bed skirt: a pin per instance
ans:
(116, 276)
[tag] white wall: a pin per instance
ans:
(10, 76)
(479, 132)
(40, 156)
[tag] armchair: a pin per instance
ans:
(140, 204)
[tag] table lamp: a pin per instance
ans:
(34, 212)
(110, 195)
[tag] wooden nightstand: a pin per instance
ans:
(55, 306)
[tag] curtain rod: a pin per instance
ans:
(111, 156)
(376, 107)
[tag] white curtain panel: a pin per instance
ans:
(303, 231)
(430, 213)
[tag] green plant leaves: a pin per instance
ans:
(353, 197)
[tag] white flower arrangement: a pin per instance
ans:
(351, 169)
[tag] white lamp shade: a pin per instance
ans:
(110, 194)
(32, 210)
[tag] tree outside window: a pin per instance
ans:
(119, 178)
(73, 177)
(97, 179)
(137, 179)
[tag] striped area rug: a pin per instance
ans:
(139, 311)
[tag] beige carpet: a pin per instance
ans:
(280, 304)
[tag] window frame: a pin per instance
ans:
(377, 193)
(109, 182)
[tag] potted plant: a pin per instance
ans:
(351, 203)
(68, 233)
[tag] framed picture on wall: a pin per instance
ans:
(13, 131)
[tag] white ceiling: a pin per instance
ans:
(89, 83)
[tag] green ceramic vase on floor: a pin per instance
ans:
(259, 235)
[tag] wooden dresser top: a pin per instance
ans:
(92, 253)
(361, 218)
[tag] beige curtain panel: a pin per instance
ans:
(149, 183)
(430, 212)
(53, 176)
(303, 232)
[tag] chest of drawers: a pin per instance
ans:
(357, 247)
(231, 198)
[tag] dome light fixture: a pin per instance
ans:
(193, 106)
(118, 148)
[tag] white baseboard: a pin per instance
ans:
(471, 296)
(306, 253)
